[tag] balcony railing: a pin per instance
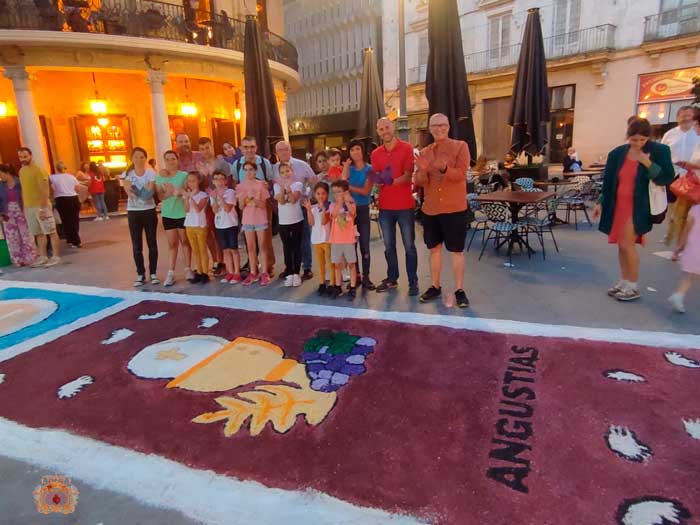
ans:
(143, 18)
(674, 22)
(588, 40)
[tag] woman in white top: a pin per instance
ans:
(289, 194)
(65, 191)
(139, 183)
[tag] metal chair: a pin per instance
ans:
(479, 218)
(574, 200)
(499, 225)
(525, 183)
(541, 225)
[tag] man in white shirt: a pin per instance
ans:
(683, 139)
(304, 174)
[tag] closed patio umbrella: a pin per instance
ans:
(262, 115)
(446, 77)
(529, 113)
(371, 99)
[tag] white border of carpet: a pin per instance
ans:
(499, 326)
(198, 494)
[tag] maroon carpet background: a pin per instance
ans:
(412, 435)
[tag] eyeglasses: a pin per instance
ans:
(248, 168)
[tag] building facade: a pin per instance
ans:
(88, 83)
(330, 36)
(606, 61)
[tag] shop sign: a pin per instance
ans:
(667, 85)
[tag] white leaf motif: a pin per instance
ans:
(623, 442)
(692, 427)
(652, 511)
(680, 360)
(208, 322)
(75, 386)
(148, 317)
(621, 375)
(118, 335)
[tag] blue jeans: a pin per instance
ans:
(98, 200)
(306, 243)
(406, 220)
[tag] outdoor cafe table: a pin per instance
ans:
(516, 200)
(555, 184)
(587, 173)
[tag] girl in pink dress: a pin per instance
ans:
(690, 259)
(19, 242)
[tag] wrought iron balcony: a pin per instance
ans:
(672, 23)
(592, 39)
(141, 18)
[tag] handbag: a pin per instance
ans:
(658, 204)
(687, 187)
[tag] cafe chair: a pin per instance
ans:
(479, 218)
(499, 225)
(525, 183)
(539, 225)
(574, 200)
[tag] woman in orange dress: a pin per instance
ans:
(623, 206)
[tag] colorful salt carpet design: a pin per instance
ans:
(427, 423)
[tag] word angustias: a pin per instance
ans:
(514, 428)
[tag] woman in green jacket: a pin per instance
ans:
(623, 206)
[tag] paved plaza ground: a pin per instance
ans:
(566, 288)
(452, 370)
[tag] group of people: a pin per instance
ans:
(208, 201)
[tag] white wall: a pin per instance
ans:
(627, 15)
(330, 36)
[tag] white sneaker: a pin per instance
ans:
(53, 261)
(40, 262)
(289, 281)
(189, 274)
(296, 280)
(170, 279)
(140, 281)
(154, 279)
(676, 301)
(98, 219)
(106, 218)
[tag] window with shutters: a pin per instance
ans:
(500, 36)
(567, 21)
(423, 49)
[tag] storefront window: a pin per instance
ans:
(660, 95)
(561, 132)
(104, 139)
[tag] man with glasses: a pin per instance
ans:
(396, 205)
(304, 174)
(442, 172)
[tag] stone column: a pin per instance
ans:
(30, 130)
(241, 104)
(159, 114)
(282, 108)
